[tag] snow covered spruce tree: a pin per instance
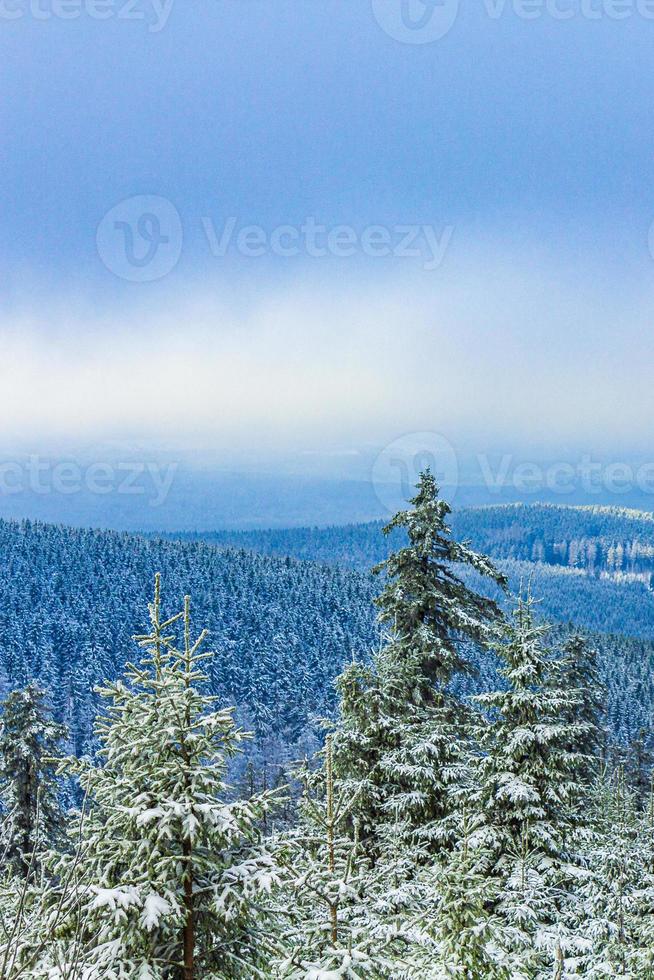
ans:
(637, 760)
(30, 795)
(530, 772)
(460, 917)
(336, 922)
(530, 776)
(399, 740)
(32, 821)
(614, 909)
(174, 868)
(578, 672)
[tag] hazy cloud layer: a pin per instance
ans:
(494, 349)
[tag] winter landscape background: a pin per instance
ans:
(326, 490)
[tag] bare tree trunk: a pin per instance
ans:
(189, 925)
(187, 846)
(558, 967)
(333, 907)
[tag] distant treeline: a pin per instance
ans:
(599, 539)
(591, 565)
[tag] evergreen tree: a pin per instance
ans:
(579, 672)
(528, 908)
(174, 866)
(461, 918)
(427, 607)
(30, 796)
(336, 925)
(400, 737)
(528, 807)
(360, 734)
(639, 765)
(614, 907)
(529, 773)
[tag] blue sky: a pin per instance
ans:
(520, 152)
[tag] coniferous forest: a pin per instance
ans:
(326, 490)
(281, 768)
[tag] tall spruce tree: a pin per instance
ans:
(30, 795)
(424, 603)
(173, 864)
(399, 739)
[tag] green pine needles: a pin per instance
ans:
(433, 837)
(173, 864)
(401, 740)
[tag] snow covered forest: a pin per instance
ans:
(70, 601)
(431, 827)
(602, 539)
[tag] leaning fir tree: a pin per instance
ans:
(400, 741)
(173, 865)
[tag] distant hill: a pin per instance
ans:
(70, 601)
(598, 539)
(591, 565)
